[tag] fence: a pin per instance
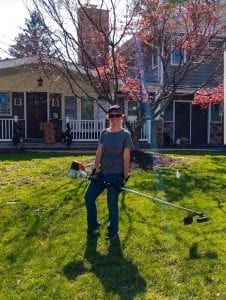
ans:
(6, 130)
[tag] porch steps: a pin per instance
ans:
(76, 147)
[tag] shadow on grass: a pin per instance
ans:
(194, 253)
(117, 274)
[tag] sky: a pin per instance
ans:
(12, 19)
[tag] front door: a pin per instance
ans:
(182, 120)
(36, 113)
(199, 125)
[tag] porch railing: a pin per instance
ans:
(6, 130)
(89, 130)
(86, 130)
(82, 130)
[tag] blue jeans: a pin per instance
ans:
(112, 183)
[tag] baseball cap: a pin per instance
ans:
(115, 107)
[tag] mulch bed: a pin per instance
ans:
(148, 160)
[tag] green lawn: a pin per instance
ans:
(44, 252)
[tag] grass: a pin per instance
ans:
(44, 252)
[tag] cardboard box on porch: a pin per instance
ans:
(49, 136)
(46, 126)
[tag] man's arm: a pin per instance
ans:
(126, 162)
(98, 157)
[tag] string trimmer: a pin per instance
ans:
(77, 170)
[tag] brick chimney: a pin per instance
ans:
(91, 23)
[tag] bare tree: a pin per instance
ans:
(86, 39)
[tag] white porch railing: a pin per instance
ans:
(82, 130)
(6, 130)
(145, 134)
(86, 130)
(89, 130)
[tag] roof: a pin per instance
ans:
(26, 61)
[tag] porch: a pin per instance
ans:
(82, 131)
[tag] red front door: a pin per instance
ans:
(36, 113)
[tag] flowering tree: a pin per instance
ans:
(179, 33)
(96, 61)
(209, 96)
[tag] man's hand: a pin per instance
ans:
(94, 176)
(124, 180)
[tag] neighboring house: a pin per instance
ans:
(27, 95)
(182, 122)
(30, 98)
(185, 123)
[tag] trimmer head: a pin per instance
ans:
(202, 218)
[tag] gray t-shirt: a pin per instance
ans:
(114, 144)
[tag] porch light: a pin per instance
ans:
(67, 120)
(15, 119)
(40, 81)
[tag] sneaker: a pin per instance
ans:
(93, 231)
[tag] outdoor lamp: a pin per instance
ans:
(16, 119)
(40, 81)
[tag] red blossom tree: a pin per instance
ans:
(186, 28)
(209, 96)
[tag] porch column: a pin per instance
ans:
(148, 128)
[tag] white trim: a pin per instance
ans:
(208, 124)
(25, 115)
(154, 66)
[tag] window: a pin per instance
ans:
(5, 107)
(168, 113)
(71, 107)
(87, 109)
(133, 109)
(216, 113)
(154, 60)
(177, 57)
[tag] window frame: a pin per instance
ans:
(86, 100)
(10, 104)
(211, 114)
(153, 63)
(76, 104)
(183, 52)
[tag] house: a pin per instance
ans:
(29, 97)
(181, 122)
